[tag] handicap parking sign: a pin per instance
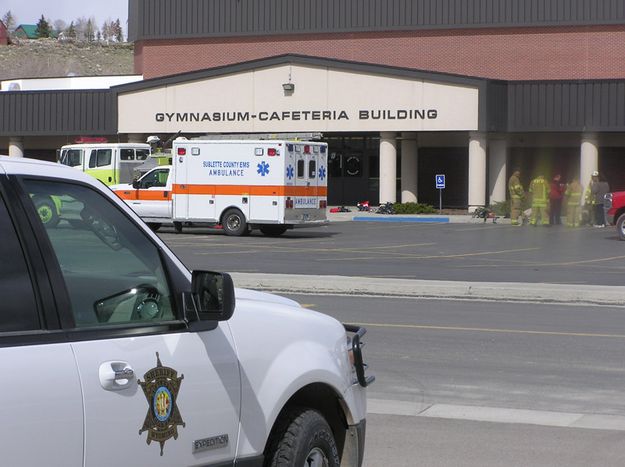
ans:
(440, 181)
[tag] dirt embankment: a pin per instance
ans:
(50, 58)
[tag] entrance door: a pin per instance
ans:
(346, 183)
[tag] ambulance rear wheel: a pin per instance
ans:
(178, 227)
(234, 223)
(154, 226)
(273, 230)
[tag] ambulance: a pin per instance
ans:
(270, 185)
(111, 163)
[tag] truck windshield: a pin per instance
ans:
(71, 157)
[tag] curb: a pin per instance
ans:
(359, 216)
(412, 288)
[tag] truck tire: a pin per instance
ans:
(234, 223)
(620, 227)
(302, 438)
(46, 209)
(154, 226)
(273, 230)
(178, 227)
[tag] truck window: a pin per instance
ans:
(157, 178)
(19, 309)
(71, 157)
(142, 154)
(113, 273)
(126, 154)
(312, 169)
(100, 158)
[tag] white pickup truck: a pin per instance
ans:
(113, 353)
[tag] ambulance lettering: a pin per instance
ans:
(305, 202)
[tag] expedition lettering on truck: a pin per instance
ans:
(270, 185)
(115, 353)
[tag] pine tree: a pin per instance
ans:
(71, 31)
(106, 31)
(119, 34)
(43, 28)
(89, 31)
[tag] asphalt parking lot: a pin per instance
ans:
(453, 252)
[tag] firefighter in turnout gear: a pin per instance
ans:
(516, 197)
(573, 196)
(539, 189)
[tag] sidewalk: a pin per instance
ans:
(362, 216)
(413, 288)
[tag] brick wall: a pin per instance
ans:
(591, 52)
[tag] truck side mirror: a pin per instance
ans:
(213, 295)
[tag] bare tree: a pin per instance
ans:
(59, 26)
(80, 25)
(9, 21)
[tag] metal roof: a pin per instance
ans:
(174, 19)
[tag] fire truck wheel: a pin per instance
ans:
(234, 223)
(47, 211)
(272, 230)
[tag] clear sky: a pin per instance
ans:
(29, 11)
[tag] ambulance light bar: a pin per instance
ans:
(182, 151)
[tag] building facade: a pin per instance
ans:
(401, 90)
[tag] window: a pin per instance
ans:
(113, 273)
(100, 158)
(300, 168)
(72, 157)
(126, 154)
(19, 309)
(312, 169)
(157, 178)
(142, 154)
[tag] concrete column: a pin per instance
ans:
(477, 171)
(16, 147)
(136, 138)
(388, 167)
(497, 157)
(589, 159)
(409, 160)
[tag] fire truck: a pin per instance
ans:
(270, 185)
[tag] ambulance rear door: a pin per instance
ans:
(306, 180)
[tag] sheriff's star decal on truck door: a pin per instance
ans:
(161, 388)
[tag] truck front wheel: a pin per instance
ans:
(302, 438)
(234, 223)
(620, 227)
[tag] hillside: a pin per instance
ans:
(50, 58)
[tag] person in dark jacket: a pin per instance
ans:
(556, 193)
(599, 187)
